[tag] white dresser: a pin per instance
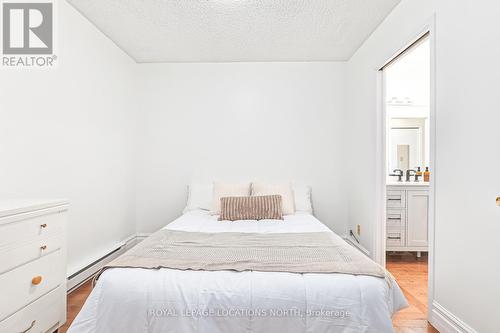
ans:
(32, 265)
(407, 217)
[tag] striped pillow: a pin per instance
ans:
(251, 208)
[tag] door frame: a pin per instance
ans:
(379, 248)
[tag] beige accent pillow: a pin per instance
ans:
(251, 208)
(285, 190)
(227, 190)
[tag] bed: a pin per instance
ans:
(187, 301)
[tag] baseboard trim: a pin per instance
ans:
(76, 279)
(446, 322)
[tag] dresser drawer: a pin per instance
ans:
(30, 229)
(395, 219)
(395, 238)
(14, 256)
(17, 285)
(396, 199)
(46, 313)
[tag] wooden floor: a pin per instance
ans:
(410, 272)
(75, 303)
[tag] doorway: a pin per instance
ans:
(408, 177)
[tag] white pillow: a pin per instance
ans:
(285, 190)
(199, 197)
(222, 190)
(303, 201)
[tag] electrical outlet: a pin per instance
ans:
(358, 230)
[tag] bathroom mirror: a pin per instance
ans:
(406, 143)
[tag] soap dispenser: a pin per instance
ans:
(427, 175)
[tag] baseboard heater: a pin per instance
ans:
(78, 278)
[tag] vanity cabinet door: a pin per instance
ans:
(417, 218)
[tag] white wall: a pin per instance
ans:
(409, 77)
(71, 132)
(68, 133)
(240, 121)
(467, 220)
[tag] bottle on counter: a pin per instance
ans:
(418, 174)
(427, 174)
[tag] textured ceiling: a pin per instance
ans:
(236, 30)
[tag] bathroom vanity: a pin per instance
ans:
(407, 216)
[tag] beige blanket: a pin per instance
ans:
(314, 252)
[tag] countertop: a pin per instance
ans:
(396, 183)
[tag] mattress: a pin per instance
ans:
(168, 300)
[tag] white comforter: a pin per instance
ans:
(167, 300)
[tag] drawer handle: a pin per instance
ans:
(29, 328)
(390, 199)
(43, 247)
(43, 225)
(36, 280)
(394, 218)
(394, 237)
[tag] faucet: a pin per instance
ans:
(416, 176)
(399, 174)
(409, 173)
